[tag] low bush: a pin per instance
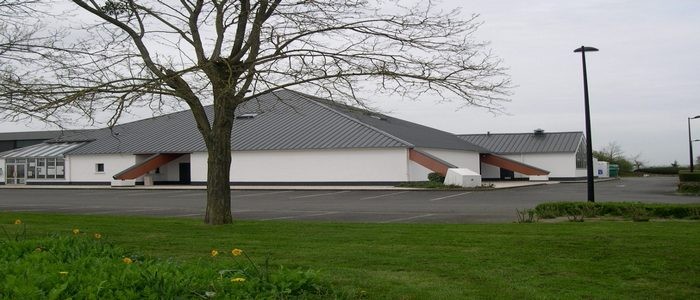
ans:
(630, 210)
(436, 177)
(82, 266)
(687, 176)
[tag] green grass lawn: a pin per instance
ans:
(430, 261)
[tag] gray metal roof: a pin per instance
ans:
(35, 135)
(507, 143)
(285, 120)
(41, 150)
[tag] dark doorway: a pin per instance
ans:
(507, 174)
(185, 176)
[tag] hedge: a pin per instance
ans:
(618, 209)
(686, 176)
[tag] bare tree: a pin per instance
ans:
(637, 161)
(611, 152)
(227, 52)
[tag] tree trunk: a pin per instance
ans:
(218, 174)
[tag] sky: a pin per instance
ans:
(644, 82)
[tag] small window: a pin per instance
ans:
(100, 168)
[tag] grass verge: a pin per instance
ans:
(429, 261)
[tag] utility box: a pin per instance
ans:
(614, 170)
(463, 177)
(603, 169)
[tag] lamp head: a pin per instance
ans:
(586, 49)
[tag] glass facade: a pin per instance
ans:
(581, 158)
(21, 169)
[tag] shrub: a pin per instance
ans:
(686, 176)
(436, 177)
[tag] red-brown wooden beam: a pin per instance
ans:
(512, 165)
(147, 165)
(430, 162)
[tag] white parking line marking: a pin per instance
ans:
(260, 194)
(151, 193)
(409, 218)
(302, 216)
(319, 195)
(384, 195)
(450, 196)
(188, 195)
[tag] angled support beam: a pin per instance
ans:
(512, 165)
(151, 163)
(429, 161)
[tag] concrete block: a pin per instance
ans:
(463, 177)
(122, 183)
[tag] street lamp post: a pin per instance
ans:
(589, 143)
(690, 142)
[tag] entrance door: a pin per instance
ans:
(185, 176)
(507, 174)
(16, 173)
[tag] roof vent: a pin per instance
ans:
(539, 131)
(378, 117)
(247, 116)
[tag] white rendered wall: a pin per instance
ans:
(337, 165)
(459, 158)
(558, 164)
(82, 167)
(171, 170)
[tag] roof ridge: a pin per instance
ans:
(311, 99)
(504, 133)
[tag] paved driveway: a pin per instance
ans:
(343, 205)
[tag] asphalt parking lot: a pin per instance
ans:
(388, 206)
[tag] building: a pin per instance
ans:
(283, 137)
(563, 154)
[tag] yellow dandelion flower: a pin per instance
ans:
(98, 236)
(238, 279)
(64, 273)
(76, 231)
(214, 253)
(127, 260)
(236, 252)
(18, 221)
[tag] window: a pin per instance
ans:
(581, 158)
(100, 168)
(40, 168)
(60, 168)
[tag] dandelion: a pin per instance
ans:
(214, 253)
(127, 260)
(38, 249)
(98, 236)
(64, 273)
(236, 252)
(18, 222)
(76, 231)
(238, 279)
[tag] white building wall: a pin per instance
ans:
(459, 158)
(83, 167)
(558, 164)
(490, 172)
(349, 165)
(171, 171)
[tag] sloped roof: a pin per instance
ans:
(35, 135)
(285, 120)
(41, 150)
(508, 143)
